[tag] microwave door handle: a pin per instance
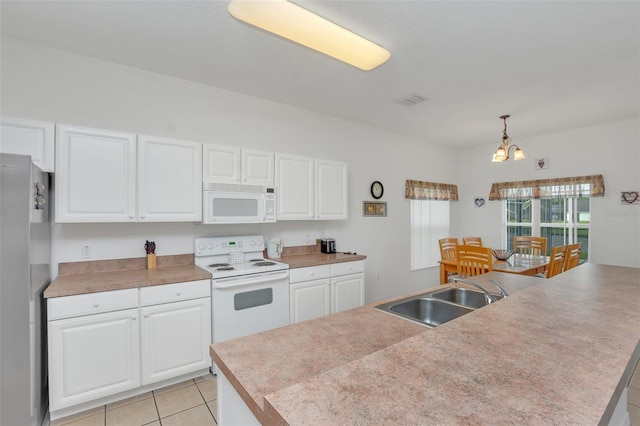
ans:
(232, 282)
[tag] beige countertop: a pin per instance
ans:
(107, 275)
(317, 258)
(556, 351)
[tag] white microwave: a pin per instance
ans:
(230, 203)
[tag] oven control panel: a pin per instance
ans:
(214, 246)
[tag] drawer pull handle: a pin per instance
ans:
(145, 315)
(178, 293)
(96, 304)
(135, 317)
(312, 274)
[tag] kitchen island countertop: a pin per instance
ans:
(555, 351)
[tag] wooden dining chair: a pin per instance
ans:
(472, 241)
(556, 261)
(448, 248)
(573, 256)
(524, 244)
(473, 260)
(447, 253)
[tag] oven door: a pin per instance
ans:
(233, 207)
(249, 304)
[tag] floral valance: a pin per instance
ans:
(419, 190)
(568, 187)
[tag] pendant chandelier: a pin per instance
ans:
(502, 153)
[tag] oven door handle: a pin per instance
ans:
(231, 282)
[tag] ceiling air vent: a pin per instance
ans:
(410, 100)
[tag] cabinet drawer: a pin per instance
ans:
(166, 293)
(346, 268)
(92, 303)
(309, 273)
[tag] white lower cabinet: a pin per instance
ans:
(124, 341)
(93, 356)
(175, 338)
(316, 291)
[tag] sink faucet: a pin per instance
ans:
(502, 290)
(490, 297)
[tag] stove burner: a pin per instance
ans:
(225, 268)
(216, 265)
(256, 260)
(264, 263)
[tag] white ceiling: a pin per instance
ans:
(552, 65)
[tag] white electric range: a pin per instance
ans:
(249, 294)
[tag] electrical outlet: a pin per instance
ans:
(86, 251)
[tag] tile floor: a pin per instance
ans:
(192, 402)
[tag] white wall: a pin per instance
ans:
(612, 150)
(47, 84)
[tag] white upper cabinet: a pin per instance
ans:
(257, 167)
(226, 164)
(294, 187)
(95, 175)
(29, 137)
(221, 164)
(169, 180)
(310, 189)
(331, 190)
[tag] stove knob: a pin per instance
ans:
(253, 242)
(210, 245)
(201, 246)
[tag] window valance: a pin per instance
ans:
(568, 187)
(419, 190)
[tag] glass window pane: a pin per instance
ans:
(519, 211)
(583, 210)
(556, 236)
(582, 236)
(553, 210)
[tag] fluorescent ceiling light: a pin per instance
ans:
(297, 24)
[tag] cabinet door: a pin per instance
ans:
(221, 164)
(309, 300)
(175, 339)
(169, 180)
(92, 357)
(330, 190)
(95, 175)
(347, 292)
(29, 137)
(257, 167)
(295, 187)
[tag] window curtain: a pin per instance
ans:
(569, 187)
(419, 190)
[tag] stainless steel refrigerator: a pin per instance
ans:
(25, 255)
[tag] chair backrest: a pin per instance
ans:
(473, 260)
(573, 256)
(472, 241)
(448, 248)
(556, 261)
(524, 244)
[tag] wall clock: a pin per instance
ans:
(377, 190)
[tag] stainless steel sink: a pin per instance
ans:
(437, 306)
(463, 296)
(429, 311)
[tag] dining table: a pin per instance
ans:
(523, 264)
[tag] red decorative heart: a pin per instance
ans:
(479, 202)
(630, 197)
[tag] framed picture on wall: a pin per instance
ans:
(377, 208)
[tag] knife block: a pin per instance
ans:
(151, 261)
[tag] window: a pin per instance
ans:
(558, 209)
(560, 220)
(430, 221)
